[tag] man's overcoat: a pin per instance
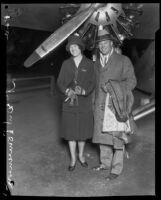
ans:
(118, 68)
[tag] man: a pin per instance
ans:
(115, 79)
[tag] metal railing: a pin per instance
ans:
(34, 87)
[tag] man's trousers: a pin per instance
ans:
(112, 158)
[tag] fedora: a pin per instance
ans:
(74, 39)
(104, 35)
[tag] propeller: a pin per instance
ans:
(116, 18)
(61, 34)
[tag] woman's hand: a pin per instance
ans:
(79, 90)
(71, 93)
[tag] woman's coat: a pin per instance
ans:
(77, 121)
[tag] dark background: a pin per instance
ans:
(22, 42)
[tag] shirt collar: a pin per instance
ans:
(104, 58)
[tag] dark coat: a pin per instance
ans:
(122, 100)
(118, 68)
(77, 120)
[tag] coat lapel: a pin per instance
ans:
(109, 64)
(82, 66)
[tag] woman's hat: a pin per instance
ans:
(75, 39)
(104, 35)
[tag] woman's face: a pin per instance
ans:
(75, 50)
(105, 46)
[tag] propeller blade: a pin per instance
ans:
(60, 35)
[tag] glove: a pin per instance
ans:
(79, 90)
(71, 93)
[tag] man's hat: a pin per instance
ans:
(75, 39)
(104, 35)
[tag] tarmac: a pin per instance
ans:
(40, 158)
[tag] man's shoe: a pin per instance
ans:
(111, 176)
(100, 168)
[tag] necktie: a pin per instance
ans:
(103, 60)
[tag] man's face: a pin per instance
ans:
(75, 50)
(105, 46)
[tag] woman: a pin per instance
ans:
(76, 81)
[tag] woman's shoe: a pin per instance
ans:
(84, 164)
(71, 168)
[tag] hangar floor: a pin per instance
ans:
(40, 158)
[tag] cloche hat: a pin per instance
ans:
(75, 39)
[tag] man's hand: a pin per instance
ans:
(104, 87)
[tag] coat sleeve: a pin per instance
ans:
(129, 80)
(61, 81)
(91, 80)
